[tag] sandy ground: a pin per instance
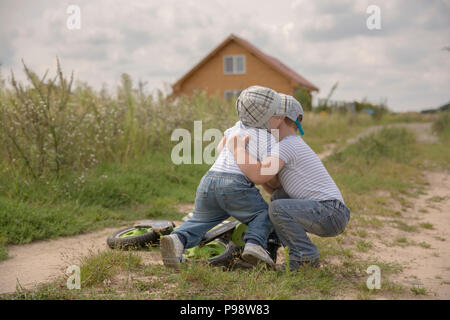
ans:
(423, 266)
(43, 261)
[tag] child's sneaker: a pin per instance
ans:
(254, 253)
(172, 251)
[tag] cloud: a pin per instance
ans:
(159, 41)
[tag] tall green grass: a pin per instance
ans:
(73, 159)
(381, 161)
(393, 144)
(333, 128)
(49, 128)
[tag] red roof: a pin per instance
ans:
(271, 61)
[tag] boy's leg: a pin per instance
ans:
(292, 218)
(248, 206)
(279, 194)
(207, 214)
(276, 195)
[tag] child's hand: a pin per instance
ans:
(274, 183)
(235, 142)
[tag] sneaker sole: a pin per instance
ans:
(168, 253)
(254, 260)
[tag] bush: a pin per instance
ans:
(47, 129)
(377, 110)
(304, 97)
(442, 125)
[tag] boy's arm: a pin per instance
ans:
(268, 189)
(272, 185)
(221, 145)
(258, 172)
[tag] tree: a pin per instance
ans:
(304, 97)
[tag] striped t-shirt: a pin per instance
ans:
(304, 175)
(259, 146)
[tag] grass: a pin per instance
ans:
(387, 287)
(442, 125)
(418, 290)
(358, 168)
(363, 246)
(403, 242)
(121, 275)
(102, 267)
(3, 252)
(136, 281)
(332, 128)
(388, 160)
(426, 225)
(404, 226)
(436, 199)
(425, 245)
(322, 129)
(109, 195)
(362, 233)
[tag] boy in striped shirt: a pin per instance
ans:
(304, 196)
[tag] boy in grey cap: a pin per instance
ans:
(224, 191)
(305, 199)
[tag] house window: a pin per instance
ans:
(234, 64)
(232, 94)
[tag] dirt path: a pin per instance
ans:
(43, 261)
(427, 264)
(423, 252)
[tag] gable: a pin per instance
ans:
(259, 67)
(212, 77)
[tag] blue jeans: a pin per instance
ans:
(221, 195)
(292, 218)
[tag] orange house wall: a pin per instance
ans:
(211, 77)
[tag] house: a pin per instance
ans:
(235, 65)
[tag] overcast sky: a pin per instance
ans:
(159, 41)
